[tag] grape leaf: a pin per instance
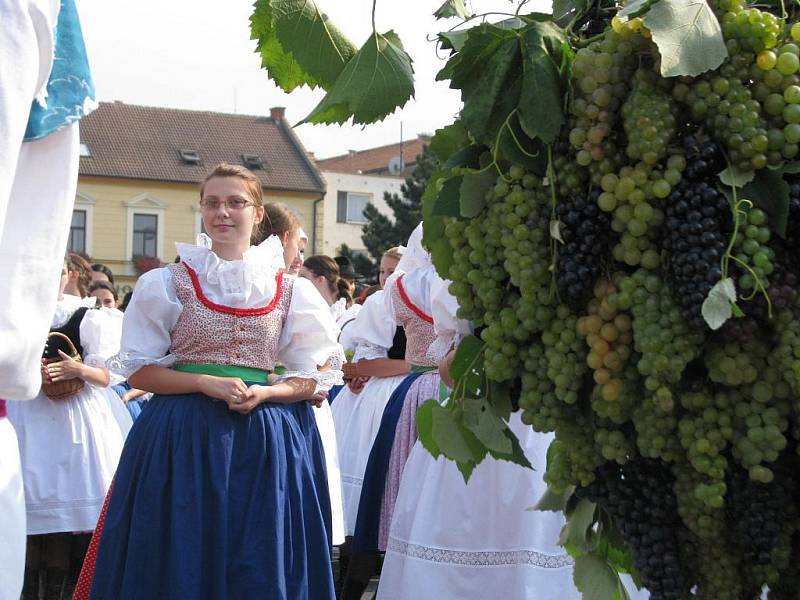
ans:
(448, 200)
(688, 36)
(376, 81)
(552, 501)
(635, 8)
(473, 191)
(542, 97)
(424, 419)
(716, 307)
(280, 64)
(469, 157)
(487, 427)
(596, 579)
(433, 237)
(315, 43)
(453, 40)
(468, 358)
(452, 8)
(562, 9)
(516, 147)
(448, 140)
(579, 522)
(732, 176)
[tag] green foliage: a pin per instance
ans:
(452, 8)
(596, 579)
(688, 36)
(376, 81)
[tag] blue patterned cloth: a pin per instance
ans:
(365, 536)
(70, 89)
(208, 504)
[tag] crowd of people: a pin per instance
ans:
(270, 417)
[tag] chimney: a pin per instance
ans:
(351, 153)
(276, 113)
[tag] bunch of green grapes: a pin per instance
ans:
(580, 456)
(565, 352)
(704, 430)
(661, 335)
(614, 444)
(700, 501)
(524, 217)
(634, 196)
(648, 117)
(753, 256)
(601, 76)
(734, 363)
(571, 178)
(753, 30)
(541, 409)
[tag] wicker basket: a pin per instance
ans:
(63, 390)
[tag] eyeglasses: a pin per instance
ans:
(230, 203)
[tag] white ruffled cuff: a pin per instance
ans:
(325, 379)
(126, 364)
(369, 352)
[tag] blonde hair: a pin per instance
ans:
(250, 179)
(396, 253)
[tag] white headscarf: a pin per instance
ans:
(414, 255)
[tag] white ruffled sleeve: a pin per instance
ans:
(149, 319)
(450, 330)
(308, 339)
(101, 331)
(373, 330)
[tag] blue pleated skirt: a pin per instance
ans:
(209, 504)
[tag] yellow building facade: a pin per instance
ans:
(106, 209)
(141, 170)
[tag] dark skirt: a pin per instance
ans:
(365, 537)
(210, 504)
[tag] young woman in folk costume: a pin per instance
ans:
(282, 223)
(69, 447)
(221, 489)
(377, 368)
(405, 302)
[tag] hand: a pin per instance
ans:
(357, 384)
(227, 389)
(66, 368)
(249, 399)
(317, 399)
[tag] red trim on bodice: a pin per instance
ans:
(229, 310)
(407, 301)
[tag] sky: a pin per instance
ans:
(197, 55)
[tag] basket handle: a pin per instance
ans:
(73, 350)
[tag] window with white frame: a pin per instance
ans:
(145, 229)
(77, 232)
(145, 235)
(350, 207)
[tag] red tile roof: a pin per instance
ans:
(142, 142)
(374, 160)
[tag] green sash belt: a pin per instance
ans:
(243, 373)
(421, 369)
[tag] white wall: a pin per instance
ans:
(336, 234)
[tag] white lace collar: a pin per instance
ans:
(256, 269)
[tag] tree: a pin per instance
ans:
(380, 232)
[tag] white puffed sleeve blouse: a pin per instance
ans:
(308, 337)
